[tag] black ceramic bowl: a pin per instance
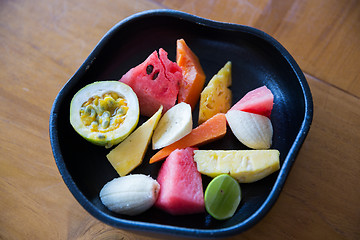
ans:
(257, 60)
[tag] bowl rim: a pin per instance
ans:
(175, 230)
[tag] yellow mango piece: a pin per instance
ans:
(245, 166)
(216, 96)
(130, 152)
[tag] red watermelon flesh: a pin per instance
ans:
(258, 101)
(181, 190)
(155, 82)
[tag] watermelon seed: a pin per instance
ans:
(155, 75)
(149, 69)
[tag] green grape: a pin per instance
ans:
(222, 197)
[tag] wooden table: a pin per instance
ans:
(42, 43)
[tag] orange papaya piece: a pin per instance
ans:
(193, 75)
(209, 131)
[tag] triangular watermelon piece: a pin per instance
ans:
(181, 190)
(258, 101)
(155, 82)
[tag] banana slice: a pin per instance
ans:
(130, 195)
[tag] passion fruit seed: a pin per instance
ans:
(104, 113)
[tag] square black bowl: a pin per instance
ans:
(257, 60)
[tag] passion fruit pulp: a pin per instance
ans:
(105, 112)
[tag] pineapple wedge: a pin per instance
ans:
(216, 96)
(245, 166)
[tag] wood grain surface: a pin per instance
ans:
(43, 42)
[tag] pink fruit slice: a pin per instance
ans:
(181, 190)
(258, 101)
(155, 82)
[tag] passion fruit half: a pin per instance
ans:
(105, 112)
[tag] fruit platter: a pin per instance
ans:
(181, 125)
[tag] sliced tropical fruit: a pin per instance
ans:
(222, 197)
(211, 130)
(259, 101)
(253, 130)
(181, 190)
(155, 82)
(131, 194)
(216, 96)
(105, 112)
(193, 79)
(246, 166)
(174, 125)
(130, 153)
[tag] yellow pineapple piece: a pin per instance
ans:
(216, 96)
(130, 152)
(246, 166)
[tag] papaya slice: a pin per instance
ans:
(211, 130)
(193, 75)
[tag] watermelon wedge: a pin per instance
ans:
(155, 82)
(258, 101)
(181, 190)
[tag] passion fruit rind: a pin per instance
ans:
(119, 127)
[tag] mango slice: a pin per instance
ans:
(130, 153)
